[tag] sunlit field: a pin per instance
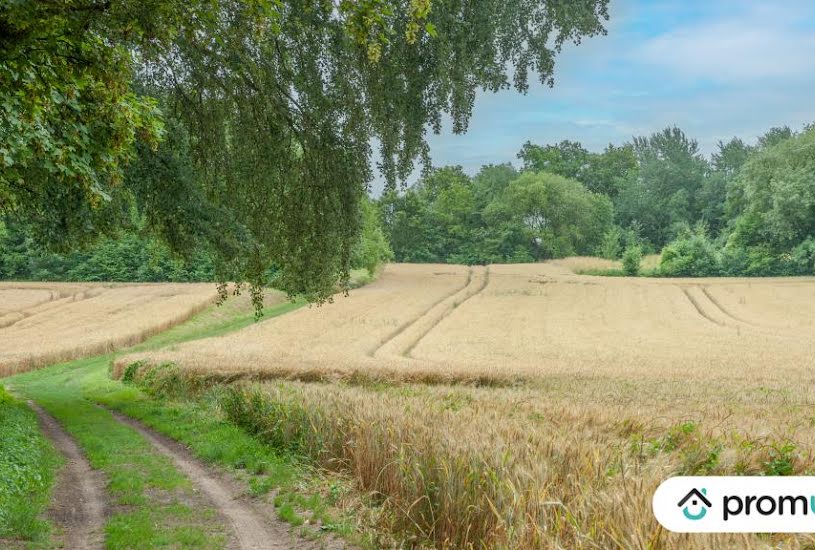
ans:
(525, 406)
(44, 323)
(523, 323)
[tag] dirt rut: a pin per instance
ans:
(78, 505)
(253, 528)
(408, 337)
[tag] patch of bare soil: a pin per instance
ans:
(78, 506)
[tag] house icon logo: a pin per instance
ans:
(698, 505)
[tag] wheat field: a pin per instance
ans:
(44, 323)
(525, 406)
(510, 324)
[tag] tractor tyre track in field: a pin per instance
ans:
(421, 325)
(78, 506)
(443, 314)
(699, 309)
(404, 326)
(253, 529)
(724, 310)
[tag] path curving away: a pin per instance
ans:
(78, 506)
(403, 341)
(252, 529)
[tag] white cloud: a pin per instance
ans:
(764, 41)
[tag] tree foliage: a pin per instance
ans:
(279, 102)
(559, 215)
(776, 195)
(745, 211)
(600, 172)
(496, 216)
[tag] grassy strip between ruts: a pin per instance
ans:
(27, 465)
(303, 496)
(147, 493)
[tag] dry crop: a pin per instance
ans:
(42, 323)
(593, 391)
(507, 324)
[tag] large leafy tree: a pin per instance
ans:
(279, 99)
(773, 198)
(725, 165)
(568, 159)
(664, 196)
(600, 172)
(558, 216)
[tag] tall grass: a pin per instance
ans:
(462, 467)
(27, 466)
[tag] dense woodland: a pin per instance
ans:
(135, 255)
(748, 210)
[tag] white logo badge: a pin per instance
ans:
(737, 504)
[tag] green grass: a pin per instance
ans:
(147, 491)
(618, 273)
(200, 424)
(208, 324)
(27, 466)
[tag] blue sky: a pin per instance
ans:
(715, 68)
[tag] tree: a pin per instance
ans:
(664, 195)
(372, 249)
(608, 171)
(559, 216)
(731, 156)
(130, 256)
(776, 197)
(408, 227)
(725, 164)
(599, 172)
(568, 159)
(280, 100)
(774, 136)
(490, 182)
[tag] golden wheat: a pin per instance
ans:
(525, 323)
(42, 323)
(617, 383)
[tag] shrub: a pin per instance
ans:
(611, 247)
(803, 257)
(632, 257)
(690, 256)
(372, 249)
(733, 261)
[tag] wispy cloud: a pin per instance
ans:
(718, 68)
(761, 41)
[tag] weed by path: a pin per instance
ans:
(27, 465)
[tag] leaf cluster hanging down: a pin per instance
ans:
(277, 104)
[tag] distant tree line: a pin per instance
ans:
(497, 216)
(747, 210)
(136, 255)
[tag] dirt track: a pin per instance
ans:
(78, 503)
(254, 527)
